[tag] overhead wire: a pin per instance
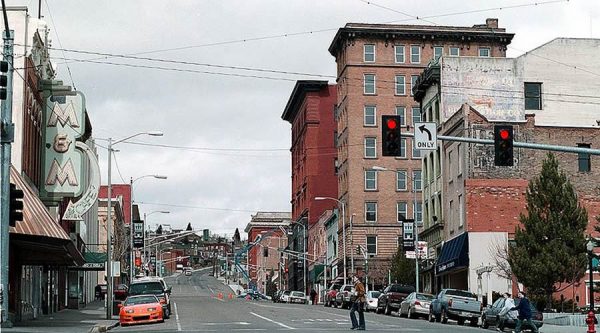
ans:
(59, 43)
(117, 165)
(199, 207)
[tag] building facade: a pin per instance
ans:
(466, 97)
(310, 111)
(377, 67)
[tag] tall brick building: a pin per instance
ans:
(377, 66)
(480, 202)
(310, 111)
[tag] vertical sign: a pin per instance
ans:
(138, 233)
(408, 235)
(64, 122)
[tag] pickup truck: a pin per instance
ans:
(459, 305)
(391, 297)
(344, 296)
(330, 294)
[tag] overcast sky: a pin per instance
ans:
(221, 188)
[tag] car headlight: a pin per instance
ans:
(129, 311)
(151, 309)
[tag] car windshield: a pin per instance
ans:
(347, 288)
(460, 293)
(402, 289)
(298, 294)
(424, 297)
(374, 294)
(146, 288)
(141, 300)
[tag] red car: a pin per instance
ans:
(141, 309)
(330, 294)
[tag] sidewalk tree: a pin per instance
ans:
(403, 269)
(550, 247)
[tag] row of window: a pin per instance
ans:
(370, 84)
(371, 148)
(369, 54)
(401, 211)
(370, 115)
(401, 180)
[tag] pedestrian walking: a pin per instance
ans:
(506, 312)
(313, 296)
(358, 305)
(524, 309)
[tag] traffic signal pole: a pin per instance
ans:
(7, 137)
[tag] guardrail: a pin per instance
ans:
(566, 319)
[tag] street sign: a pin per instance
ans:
(421, 248)
(408, 235)
(426, 136)
(138, 234)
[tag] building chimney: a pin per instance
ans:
(492, 23)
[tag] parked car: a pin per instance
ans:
(284, 296)
(297, 297)
(140, 309)
(459, 305)
(491, 317)
(187, 271)
(372, 299)
(415, 305)
(392, 296)
(343, 298)
(156, 287)
(329, 299)
(120, 292)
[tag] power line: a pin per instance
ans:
(118, 169)
(198, 207)
(396, 11)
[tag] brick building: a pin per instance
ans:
(268, 228)
(480, 202)
(377, 66)
(310, 111)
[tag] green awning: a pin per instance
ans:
(94, 261)
(316, 273)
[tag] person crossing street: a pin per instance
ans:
(524, 308)
(358, 305)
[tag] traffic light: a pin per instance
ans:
(3, 79)
(358, 249)
(391, 137)
(16, 205)
(503, 145)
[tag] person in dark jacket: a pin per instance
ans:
(524, 309)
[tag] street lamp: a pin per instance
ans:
(109, 219)
(343, 229)
(379, 168)
(131, 182)
(146, 224)
(590, 249)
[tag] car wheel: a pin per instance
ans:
(473, 323)
(461, 321)
(430, 317)
(444, 317)
(484, 322)
(388, 310)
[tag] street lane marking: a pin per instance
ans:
(272, 321)
(177, 317)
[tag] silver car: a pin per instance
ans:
(415, 305)
(372, 298)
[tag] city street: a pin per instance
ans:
(197, 308)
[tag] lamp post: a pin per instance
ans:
(590, 249)
(145, 216)
(343, 230)
(131, 257)
(109, 221)
(379, 168)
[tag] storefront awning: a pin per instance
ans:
(316, 272)
(94, 261)
(39, 238)
(454, 255)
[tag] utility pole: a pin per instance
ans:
(7, 137)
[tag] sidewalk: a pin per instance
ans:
(67, 321)
(562, 329)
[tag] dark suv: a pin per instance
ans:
(392, 296)
(155, 287)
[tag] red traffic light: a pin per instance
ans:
(391, 123)
(504, 135)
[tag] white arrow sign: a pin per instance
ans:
(76, 210)
(426, 136)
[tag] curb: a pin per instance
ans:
(103, 328)
(108, 328)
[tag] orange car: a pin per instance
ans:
(140, 309)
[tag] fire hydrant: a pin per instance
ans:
(591, 321)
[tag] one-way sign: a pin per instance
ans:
(426, 136)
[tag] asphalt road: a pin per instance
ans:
(198, 308)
